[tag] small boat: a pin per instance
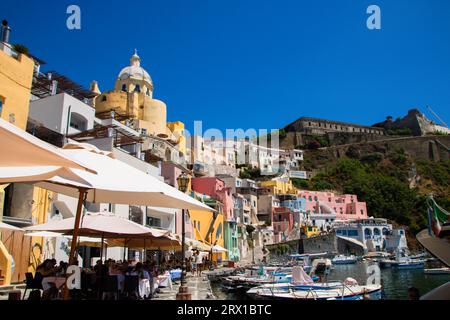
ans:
(437, 271)
(305, 289)
(403, 261)
(321, 267)
(251, 279)
(343, 259)
(411, 264)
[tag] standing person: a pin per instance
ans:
(199, 263)
(194, 263)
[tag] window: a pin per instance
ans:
(124, 87)
(77, 121)
(2, 101)
(352, 233)
(362, 211)
(112, 207)
(137, 88)
(154, 222)
(104, 98)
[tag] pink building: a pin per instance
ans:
(282, 222)
(216, 189)
(345, 206)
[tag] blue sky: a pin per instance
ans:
(254, 64)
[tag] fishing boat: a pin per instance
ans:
(341, 292)
(403, 261)
(304, 260)
(302, 287)
(437, 271)
(343, 259)
(252, 278)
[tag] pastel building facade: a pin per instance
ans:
(21, 204)
(373, 234)
(283, 223)
(332, 207)
(217, 189)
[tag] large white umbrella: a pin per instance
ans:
(114, 182)
(45, 234)
(118, 182)
(25, 158)
(98, 225)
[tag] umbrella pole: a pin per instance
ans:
(144, 257)
(124, 248)
(101, 247)
(76, 228)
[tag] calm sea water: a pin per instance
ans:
(395, 282)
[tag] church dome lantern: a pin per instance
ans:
(134, 74)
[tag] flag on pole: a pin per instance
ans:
(437, 217)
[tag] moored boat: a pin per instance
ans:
(343, 259)
(437, 271)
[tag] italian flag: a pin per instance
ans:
(437, 217)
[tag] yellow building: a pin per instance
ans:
(16, 76)
(18, 200)
(208, 228)
(310, 231)
(177, 128)
(279, 186)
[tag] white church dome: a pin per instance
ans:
(134, 70)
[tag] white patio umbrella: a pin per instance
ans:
(25, 158)
(46, 234)
(218, 248)
(117, 182)
(98, 225)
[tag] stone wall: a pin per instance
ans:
(433, 148)
(319, 244)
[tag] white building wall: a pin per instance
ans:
(53, 112)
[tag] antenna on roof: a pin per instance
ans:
(431, 110)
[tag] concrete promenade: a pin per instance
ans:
(199, 287)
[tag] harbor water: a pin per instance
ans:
(395, 282)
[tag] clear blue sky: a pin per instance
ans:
(260, 64)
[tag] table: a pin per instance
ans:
(144, 288)
(58, 281)
(165, 280)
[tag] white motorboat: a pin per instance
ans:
(343, 259)
(437, 271)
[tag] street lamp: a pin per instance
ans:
(183, 293)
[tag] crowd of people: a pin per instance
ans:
(147, 272)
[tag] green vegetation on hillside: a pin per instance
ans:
(383, 181)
